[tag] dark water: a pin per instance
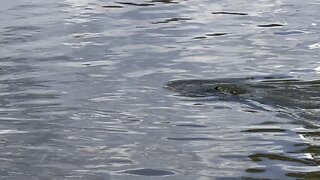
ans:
(82, 97)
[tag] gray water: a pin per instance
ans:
(82, 97)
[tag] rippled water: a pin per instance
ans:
(82, 97)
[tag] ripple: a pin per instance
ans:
(176, 19)
(314, 46)
(287, 33)
(216, 34)
(304, 175)
(280, 157)
(210, 35)
(20, 29)
(270, 25)
(136, 4)
(268, 123)
(191, 125)
(112, 7)
(190, 139)
(149, 172)
(264, 130)
(165, 1)
(81, 96)
(229, 13)
(81, 64)
(255, 170)
(11, 131)
(310, 133)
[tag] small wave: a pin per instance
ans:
(286, 33)
(270, 25)
(172, 20)
(149, 172)
(229, 13)
(135, 4)
(112, 6)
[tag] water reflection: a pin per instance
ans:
(81, 90)
(298, 99)
(81, 11)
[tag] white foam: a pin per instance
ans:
(314, 46)
(317, 69)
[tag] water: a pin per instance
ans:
(82, 97)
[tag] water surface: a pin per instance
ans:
(82, 97)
